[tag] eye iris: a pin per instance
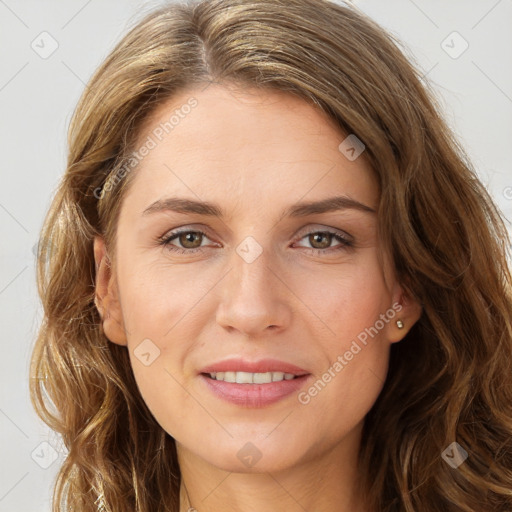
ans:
(314, 238)
(185, 238)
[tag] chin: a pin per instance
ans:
(252, 457)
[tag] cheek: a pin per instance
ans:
(159, 298)
(355, 309)
(165, 311)
(354, 356)
(346, 299)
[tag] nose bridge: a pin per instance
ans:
(252, 294)
(251, 275)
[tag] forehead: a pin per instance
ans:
(246, 146)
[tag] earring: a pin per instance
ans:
(400, 324)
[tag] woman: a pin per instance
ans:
(203, 347)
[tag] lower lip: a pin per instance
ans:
(254, 395)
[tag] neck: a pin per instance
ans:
(328, 483)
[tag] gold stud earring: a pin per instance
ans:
(400, 324)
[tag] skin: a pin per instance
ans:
(254, 153)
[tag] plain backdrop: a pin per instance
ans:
(49, 50)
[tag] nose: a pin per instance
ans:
(254, 298)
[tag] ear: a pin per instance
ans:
(408, 312)
(107, 295)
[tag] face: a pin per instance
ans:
(260, 278)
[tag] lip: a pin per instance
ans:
(261, 366)
(254, 395)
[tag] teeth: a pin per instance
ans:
(261, 378)
(230, 376)
(243, 378)
(252, 378)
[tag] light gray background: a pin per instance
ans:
(38, 95)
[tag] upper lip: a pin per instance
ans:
(261, 366)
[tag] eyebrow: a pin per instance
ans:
(303, 209)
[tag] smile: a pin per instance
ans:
(252, 378)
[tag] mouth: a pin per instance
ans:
(249, 383)
(251, 378)
(253, 390)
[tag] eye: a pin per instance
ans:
(191, 241)
(321, 241)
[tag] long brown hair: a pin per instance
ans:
(449, 380)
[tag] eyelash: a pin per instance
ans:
(167, 239)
